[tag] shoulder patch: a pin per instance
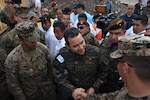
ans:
(60, 58)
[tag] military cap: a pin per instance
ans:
(117, 24)
(132, 46)
(27, 31)
(83, 23)
(22, 12)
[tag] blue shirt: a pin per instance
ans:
(108, 5)
(89, 18)
(129, 20)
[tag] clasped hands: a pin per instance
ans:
(81, 94)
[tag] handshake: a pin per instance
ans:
(81, 94)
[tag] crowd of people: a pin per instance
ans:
(65, 54)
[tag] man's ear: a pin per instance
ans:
(125, 31)
(67, 45)
(20, 40)
(126, 68)
(15, 18)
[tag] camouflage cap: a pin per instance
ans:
(117, 24)
(132, 46)
(27, 31)
(22, 12)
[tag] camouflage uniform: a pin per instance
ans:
(146, 10)
(5, 15)
(4, 93)
(11, 39)
(135, 46)
(113, 83)
(89, 70)
(29, 74)
(90, 39)
(118, 95)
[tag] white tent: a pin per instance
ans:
(133, 1)
(128, 1)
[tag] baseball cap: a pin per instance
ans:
(132, 46)
(117, 24)
(80, 5)
(27, 31)
(31, 14)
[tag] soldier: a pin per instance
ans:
(7, 14)
(133, 57)
(89, 38)
(10, 40)
(79, 65)
(146, 9)
(28, 67)
(4, 93)
(116, 28)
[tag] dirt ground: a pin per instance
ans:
(118, 8)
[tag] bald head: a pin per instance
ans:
(130, 9)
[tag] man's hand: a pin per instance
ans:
(78, 93)
(90, 90)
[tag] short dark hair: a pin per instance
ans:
(60, 25)
(66, 10)
(143, 19)
(141, 65)
(70, 33)
(82, 15)
(80, 5)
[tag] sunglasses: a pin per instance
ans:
(81, 27)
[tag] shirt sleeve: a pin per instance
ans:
(60, 74)
(102, 73)
(12, 79)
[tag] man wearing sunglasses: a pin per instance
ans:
(89, 38)
(133, 58)
(79, 65)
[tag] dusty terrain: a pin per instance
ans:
(118, 8)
